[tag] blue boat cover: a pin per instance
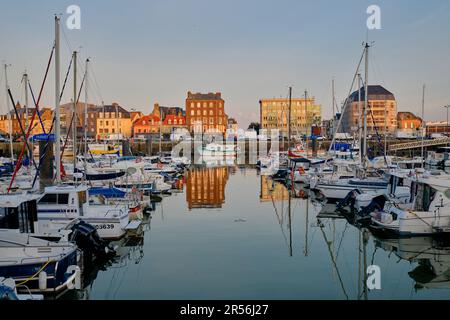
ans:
(107, 192)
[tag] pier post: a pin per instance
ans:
(47, 157)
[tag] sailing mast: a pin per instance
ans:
(9, 114)
(423, 124)
(74, 115)
(57, 101)
(366, 102)
(25, 82)
(289, 117)
(86, 120)
(360, 120)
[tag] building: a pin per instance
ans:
(172, 123)
(232, 129)
(408, 125)
(163, 112)
(440, 127)
(206, 113)
(66, 111)
(113, 121)
(146, 125)
(382, 111)
(41, 122)
(205, 187)
(274, 114)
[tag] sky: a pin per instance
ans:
(148, 51)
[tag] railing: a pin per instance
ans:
(418, 144)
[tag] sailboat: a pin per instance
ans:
(339, 189)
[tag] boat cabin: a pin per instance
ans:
(18, 212)
(69, 201)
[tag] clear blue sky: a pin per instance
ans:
(146, 51)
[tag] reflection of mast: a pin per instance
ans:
(364, 235)
(290, 226)
(333, 260)
(305, 251)
(359, 265)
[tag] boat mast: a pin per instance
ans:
(9, 114)
(57, 101)
(86, 120)
(289, 117)
(366, 101)
(333, 95)
(423, 124)
(74, 115)
(359, 120)
(306, 121)
(25, 83)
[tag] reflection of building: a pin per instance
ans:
(382, 111)
(205, 187)
(272, 191)
(274, 114)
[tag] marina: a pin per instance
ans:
(164, 197)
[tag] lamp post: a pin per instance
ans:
(446, 126)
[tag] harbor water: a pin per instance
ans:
(234, 234)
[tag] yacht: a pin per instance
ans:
(61, 204)
(36, 265)
(427, 213)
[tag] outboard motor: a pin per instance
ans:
(87, 239)
(377, 204)
(349, 200)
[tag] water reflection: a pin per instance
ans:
(205, 187)
(432, 259)
(264, 227)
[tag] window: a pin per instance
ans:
(107, 123)
(51, 198)
(192, 113)
(211, 112)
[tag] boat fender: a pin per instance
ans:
(7, 293)
(43, 280)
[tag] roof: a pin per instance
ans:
(115, 108)
(406, 115)
(148, 118)
(376, 92)
(204, 96)
(173, 117)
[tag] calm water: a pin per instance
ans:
(229, 235)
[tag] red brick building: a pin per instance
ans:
(146, 125)
(206, 113)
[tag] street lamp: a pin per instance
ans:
(446, 126)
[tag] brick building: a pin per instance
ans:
(206, 113)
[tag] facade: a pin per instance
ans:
(90, 123)
(437, 127)
(206, 113)
(113, 121)
(46, 116)
(173, 122)
(408, 125)
(232, 129)
(205, 188)
(146, 125)
(382, 111)
(274, 114)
